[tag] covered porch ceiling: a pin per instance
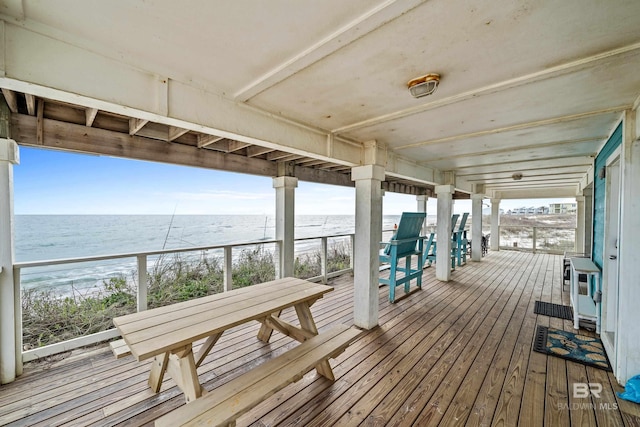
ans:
(528, 89)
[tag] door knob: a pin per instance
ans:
(613, 257)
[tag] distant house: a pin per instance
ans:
(563, 208)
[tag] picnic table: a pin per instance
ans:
(167, 334)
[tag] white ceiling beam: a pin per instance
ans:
(517, 165)
(519, 126)
(31, 104)
(558, 70)
(136, 124)
(535, 171)
(175, 133)
(12, 100)
(497, 173)
(362, 25)
(90, 116)
(532, 179)
(516, 148)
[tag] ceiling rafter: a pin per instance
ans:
(205, 140)
(90, 116)
(12, 100)
(31, 104)
(175, 133)
(136, 124)
(256, 150)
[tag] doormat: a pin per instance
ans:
(567, 345)
(553, 310)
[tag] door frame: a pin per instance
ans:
(611, 246)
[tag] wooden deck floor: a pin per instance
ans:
(456, 353)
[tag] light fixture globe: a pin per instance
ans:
(424, 85)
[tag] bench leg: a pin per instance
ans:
(307, 323)
(158, 368)
(182, 368)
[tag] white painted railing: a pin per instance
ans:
(141, 291)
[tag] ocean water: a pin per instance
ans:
(51, 237)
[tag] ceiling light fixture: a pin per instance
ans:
(516, 176)
(424, 85)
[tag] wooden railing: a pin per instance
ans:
(142, 284)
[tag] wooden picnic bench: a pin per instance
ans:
(223, 405)
(167, 334)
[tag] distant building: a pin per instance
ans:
(563, 208)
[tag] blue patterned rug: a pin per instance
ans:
(576, 347)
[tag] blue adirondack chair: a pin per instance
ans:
(432, 248)
(459, 241)
(405, 244)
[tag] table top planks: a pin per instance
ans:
(163, 329)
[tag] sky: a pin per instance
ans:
(63, 183)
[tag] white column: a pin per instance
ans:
(476, 227)
(10, 349)
(368, 181)
(495, 224)
(422, 207)
(443, 235)
(285, 222)
(580, 224)
(588, 220)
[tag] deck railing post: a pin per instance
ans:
(18, 322)
(227, 268)
(142, 282)
(535, 236)
(323, 259)
(352, 238)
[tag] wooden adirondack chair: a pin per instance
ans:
(405, 244)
